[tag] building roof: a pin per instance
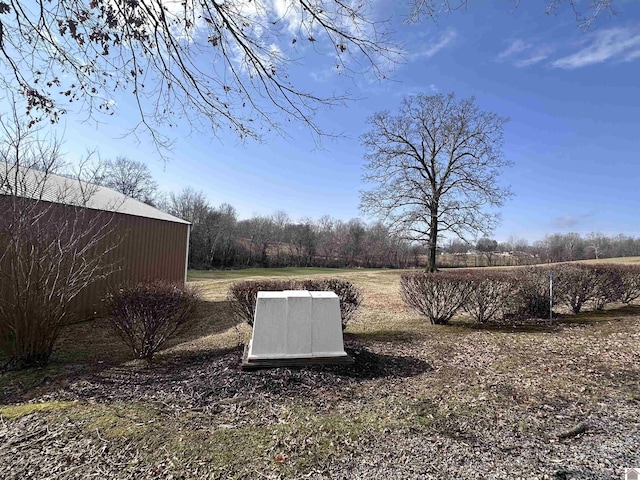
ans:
(37, 185)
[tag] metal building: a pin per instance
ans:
(148, 244)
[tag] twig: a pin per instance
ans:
(100, 438)
(577, 430)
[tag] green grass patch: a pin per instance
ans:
(304, 437)
(11, 412)
(267, 272)
(178, 437)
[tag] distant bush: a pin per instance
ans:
(489, 293)
(146, 315)
(575, 284)
(629, 283)
(438, 295)
(243, 296)
(608, 284)
(530, 295)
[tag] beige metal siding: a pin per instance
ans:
(146, 249)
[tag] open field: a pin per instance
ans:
(621, 260)
(193, 275)
(421, 401)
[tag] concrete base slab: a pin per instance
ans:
(253, 364)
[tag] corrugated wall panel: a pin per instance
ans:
(147, 249)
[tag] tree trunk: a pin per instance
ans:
(433, 239)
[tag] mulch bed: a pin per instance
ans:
(567, 409)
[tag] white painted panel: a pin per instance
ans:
(296, 324)
(299, 318)
(327, 326)
(269, 336)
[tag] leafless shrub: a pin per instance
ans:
(146, 315)
(243, 295)
(50, 247)
(530, 296)
(438, 296)
(350, 296)
(575, 285)
(608, 284)
(629, 283)
(489, 293)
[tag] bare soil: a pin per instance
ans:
(531, 401)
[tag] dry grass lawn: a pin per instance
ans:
(421, 401)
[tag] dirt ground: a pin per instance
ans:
(530, 401)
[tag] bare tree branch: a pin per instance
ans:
(211, 64)
(585, 13)
(129, 177)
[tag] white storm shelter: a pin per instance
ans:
(296, 327)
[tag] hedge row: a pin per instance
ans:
(242, 296)
(488, 295)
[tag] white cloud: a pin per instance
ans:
(570, 221)
(430, 50)
(619, 43)
(537, 56)
(523, 54)
(516, 47)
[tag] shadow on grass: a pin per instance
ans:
(609, 314)
(213, 318)
(387, 336)
(371, 365)
(93, 346)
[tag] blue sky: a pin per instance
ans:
(573, 98)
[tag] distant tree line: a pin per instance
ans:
(557, 247)
(573, 246)
(220, 240)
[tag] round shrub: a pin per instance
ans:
(489, 293)
(608, 285)
(530, 295)
(243, 295)
(438, 295)
(629, 283)
(146, 315)
(575, 284)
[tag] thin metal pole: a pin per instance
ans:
(550, 297)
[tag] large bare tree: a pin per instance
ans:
(434, 167)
